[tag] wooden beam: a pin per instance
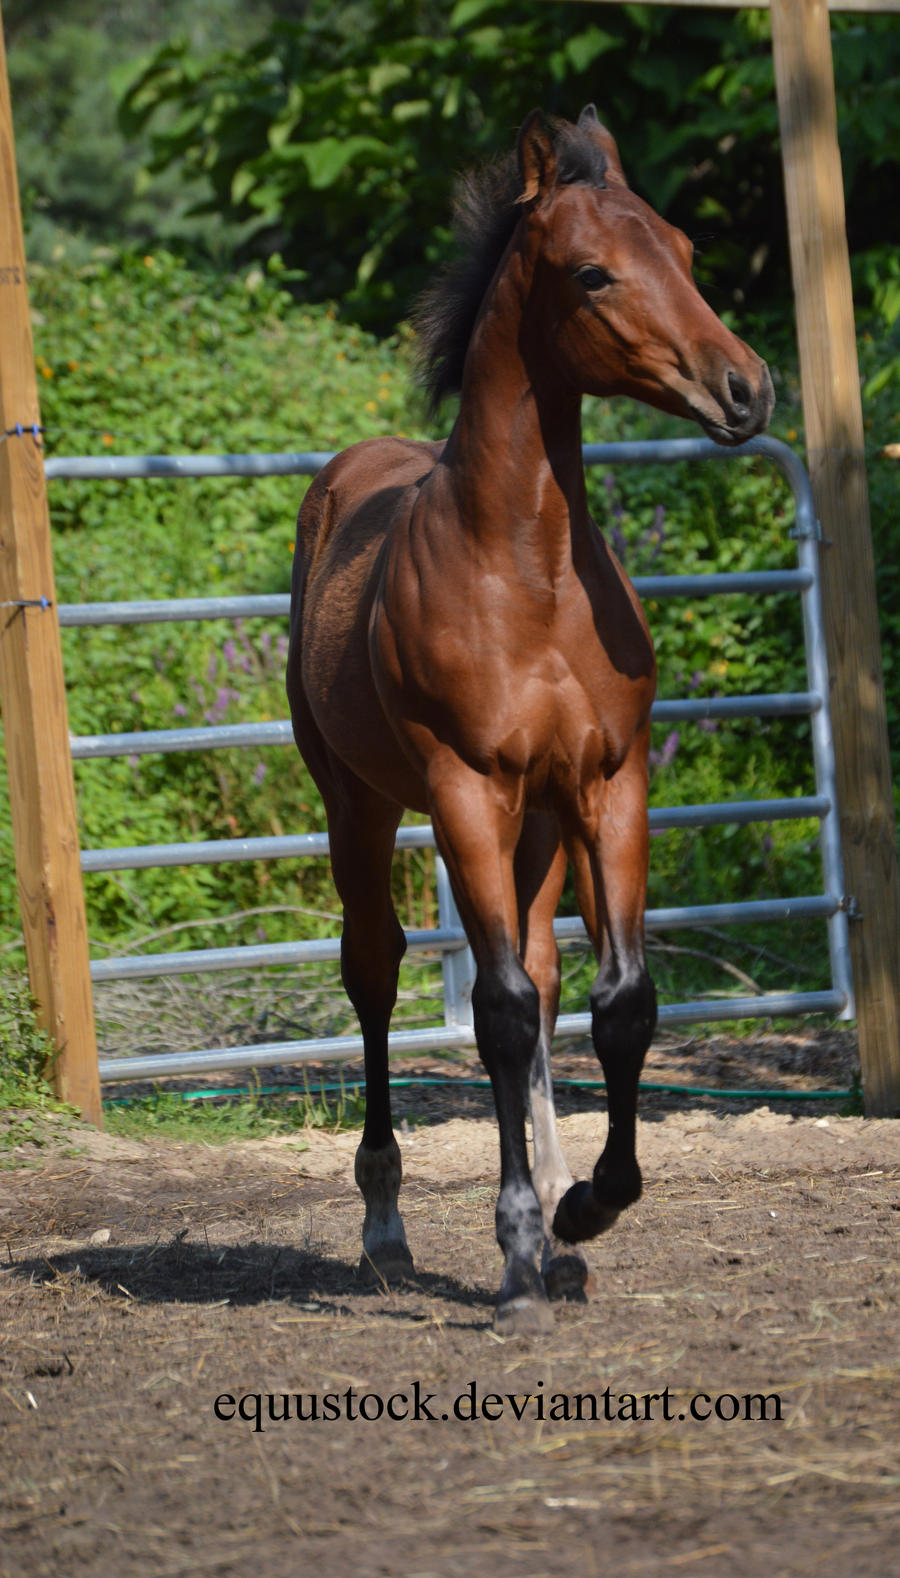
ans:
(887, 6)
(32, 691)
(832, 407)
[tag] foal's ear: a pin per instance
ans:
(588, 122)
(537, 158)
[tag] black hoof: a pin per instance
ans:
(566, 1279)
(580, 1215)
(619, 1188)
(523, 1317)
(387, 1267)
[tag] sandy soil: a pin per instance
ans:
(142, 1281)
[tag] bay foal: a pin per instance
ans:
(464, 643)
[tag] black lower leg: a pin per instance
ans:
(623, 1025)
(507, 1024)
(623, 1020)
(370, 980)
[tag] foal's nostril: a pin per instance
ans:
(741, 394)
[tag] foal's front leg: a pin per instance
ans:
(610, 860)
(477, 836)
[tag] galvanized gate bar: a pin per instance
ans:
(251, 956)
(150, 742)
(269, 605)
(412, 1043)
(225, 736)
(140, 857)
(113, 468)
(443, 939)
(697, 710)
(277, 605)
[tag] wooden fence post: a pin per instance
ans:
(32, 691)
(804, 76)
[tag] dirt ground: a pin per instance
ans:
(143, 1281)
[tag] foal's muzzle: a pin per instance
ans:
(746, 408)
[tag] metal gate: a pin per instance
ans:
(448, 937)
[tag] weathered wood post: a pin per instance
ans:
(804, 76)
(32, 691)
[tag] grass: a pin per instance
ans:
(246, 1115)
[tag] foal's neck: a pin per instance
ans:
(515, 451)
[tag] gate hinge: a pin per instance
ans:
(803, 533)
(850, 905)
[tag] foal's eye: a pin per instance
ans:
(593, 278)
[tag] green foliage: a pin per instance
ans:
(26, 1051)
(81, 180)
(326, 145)
(335, 139)
(321, 383)
(879, 356)
(143, 355)
(721, 516)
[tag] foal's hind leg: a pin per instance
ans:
(540, 871)
(372, 945)
(610, 859)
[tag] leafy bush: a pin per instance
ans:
(143, 354)
(25, 1049)
(82, 181)
(335, 138)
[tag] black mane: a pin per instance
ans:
(486, 211)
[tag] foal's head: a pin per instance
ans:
(608, 300)
(627, 317)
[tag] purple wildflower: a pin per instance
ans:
(224, 696)
(664, 757)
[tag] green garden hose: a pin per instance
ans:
(563, 1084)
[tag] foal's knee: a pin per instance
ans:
(507, 1010)
(623, 1016)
